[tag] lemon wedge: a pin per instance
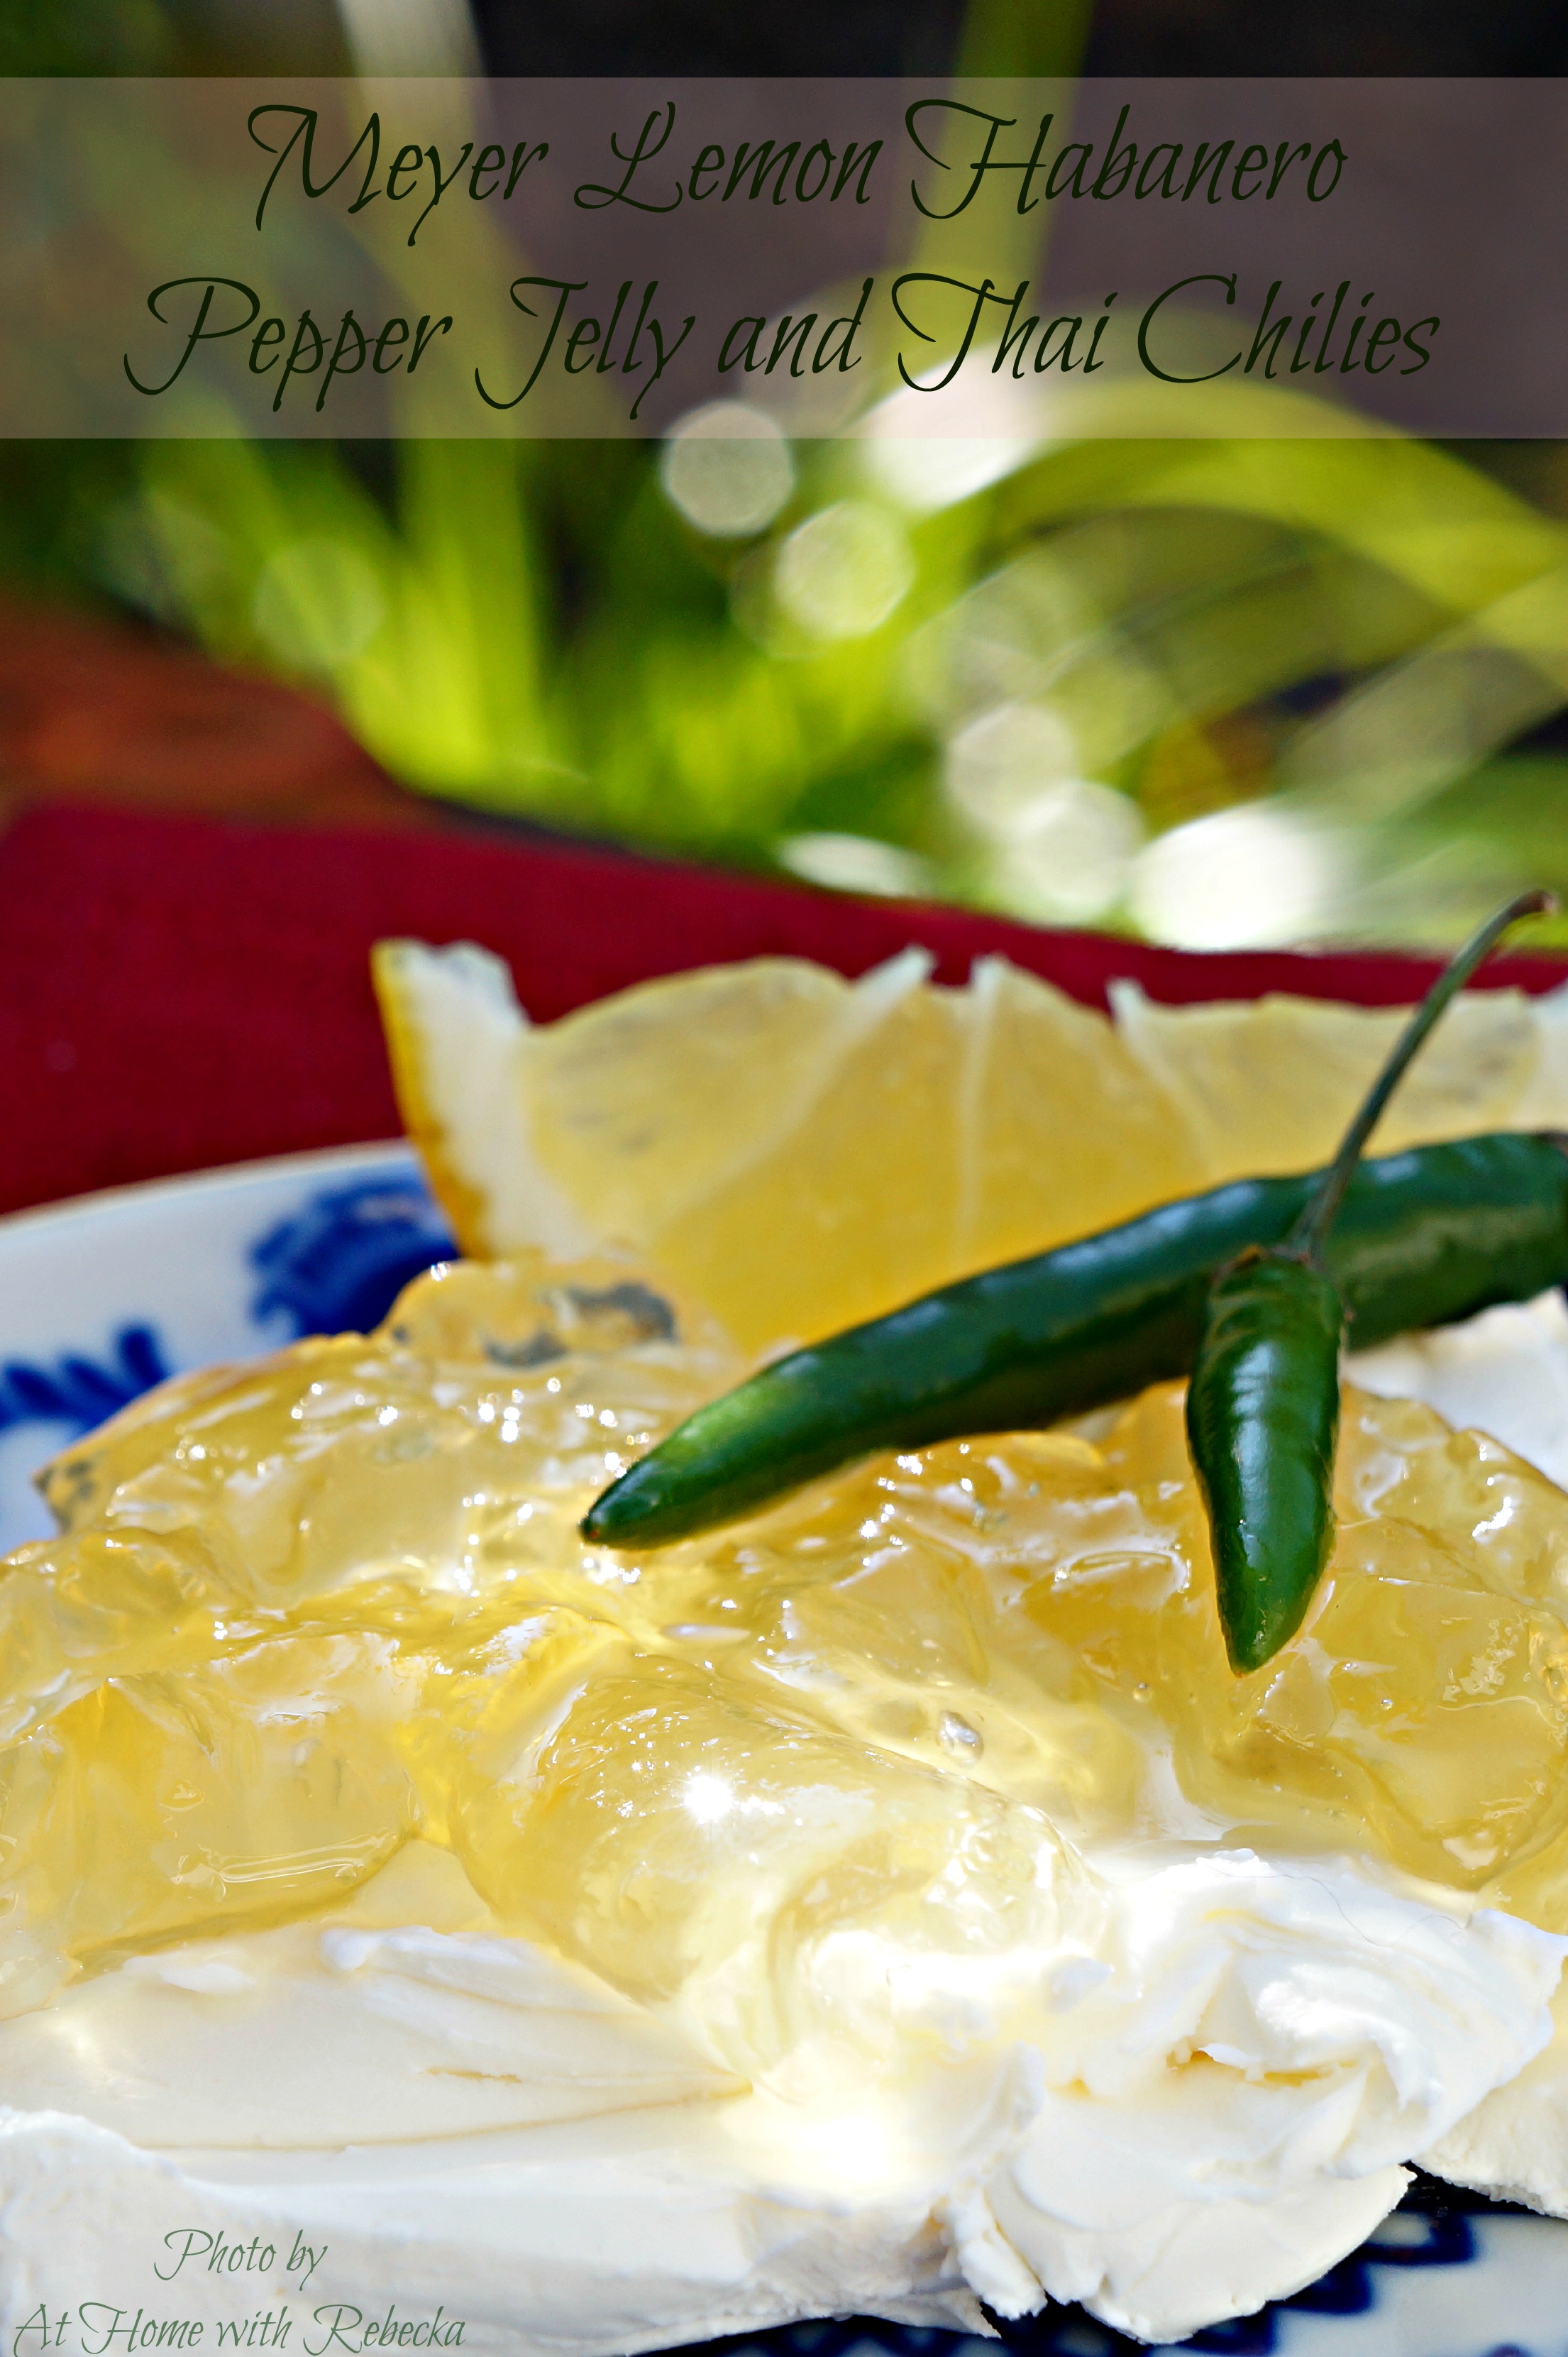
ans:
(797, 1152)
(794, 1150)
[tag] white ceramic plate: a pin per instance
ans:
(102, 1296)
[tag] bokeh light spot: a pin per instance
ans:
(997, 766)
(992, 428)
(1243, 879)
(844, 571)
(727, 468)
(855, 863)
(1069, 855)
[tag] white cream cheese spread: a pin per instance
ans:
(1199, 2103)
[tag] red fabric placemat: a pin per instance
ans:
(178, 992)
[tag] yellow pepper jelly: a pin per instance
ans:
(305, 1610)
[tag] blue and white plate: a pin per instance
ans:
(103, 1297)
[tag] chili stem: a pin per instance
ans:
(1306, 1237)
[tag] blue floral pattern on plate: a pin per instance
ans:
(336, 1266)
(81, 1392)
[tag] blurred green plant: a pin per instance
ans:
(1284, 682)
(1234, 690)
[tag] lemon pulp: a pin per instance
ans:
(303, 1611)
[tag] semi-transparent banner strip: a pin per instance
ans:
(1021, 260)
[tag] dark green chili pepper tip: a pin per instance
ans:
(1262, 1416)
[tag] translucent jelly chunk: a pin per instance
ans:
(75, 1612)
(258, 1785)
(526, 1386)
(496, 1683)
(882, 1599)
(669, 1830)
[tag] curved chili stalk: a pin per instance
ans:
(1263, 1407)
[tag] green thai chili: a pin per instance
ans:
(1424, 1237)
(1262, 1406)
